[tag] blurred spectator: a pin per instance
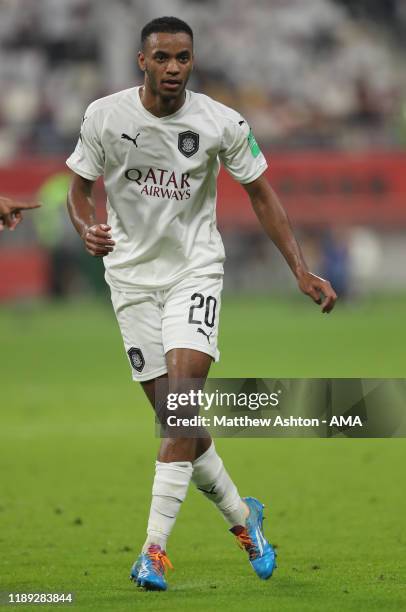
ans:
(336, 260)
(320, 73)
(55, 235)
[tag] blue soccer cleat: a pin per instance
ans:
(251, 537)
(149, 569)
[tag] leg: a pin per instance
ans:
(185, 364)
(176, 454)
(179, 357)
(209, 474)
(175, 457)
(190, 323)
(189, 330)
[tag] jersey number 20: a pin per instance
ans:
(210, 311)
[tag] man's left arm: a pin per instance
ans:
(274, 219)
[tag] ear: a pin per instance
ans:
(141, 60)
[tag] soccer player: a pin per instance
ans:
(159, 147)
(10, 212)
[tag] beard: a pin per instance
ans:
(154, 86)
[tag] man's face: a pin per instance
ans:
(167, 60)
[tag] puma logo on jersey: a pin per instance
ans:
(241, 122)
(201, 331)
(127, 137)
(211, 492)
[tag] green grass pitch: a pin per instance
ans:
(77, 451)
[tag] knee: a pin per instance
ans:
(177, 449)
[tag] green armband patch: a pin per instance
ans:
(255, 150)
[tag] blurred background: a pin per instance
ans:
(322, 83)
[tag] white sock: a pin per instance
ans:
(168, 492)
(210, 477)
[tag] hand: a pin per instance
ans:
(10, 212)
(97, 239)
(11, 221)
(318, 289)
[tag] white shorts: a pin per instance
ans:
(152, 322)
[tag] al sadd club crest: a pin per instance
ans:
(188, 143)
(136, 358)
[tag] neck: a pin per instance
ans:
(158, 106)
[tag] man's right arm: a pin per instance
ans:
(82, 211)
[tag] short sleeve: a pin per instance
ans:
(240, 153)
(87, 159)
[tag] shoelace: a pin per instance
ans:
(159, 559)
(244, 541)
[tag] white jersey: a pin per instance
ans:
(160, 175)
